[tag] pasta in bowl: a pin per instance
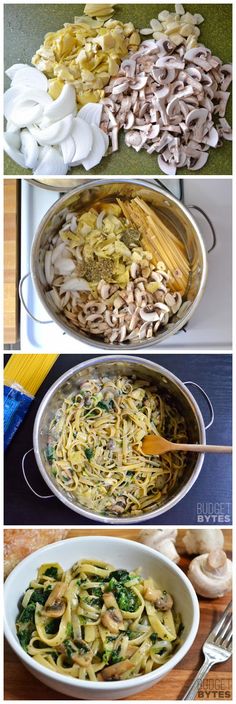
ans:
(126, 555)
(95, 622)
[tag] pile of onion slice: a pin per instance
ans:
(46, 135)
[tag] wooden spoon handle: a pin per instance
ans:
(202, 448)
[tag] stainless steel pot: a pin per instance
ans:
(126, 365)
(171, 210)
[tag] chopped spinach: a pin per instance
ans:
(120, 575)
(50, 454)
(106, 406)
(69, 648)
(26, 614)
(52, 626)
(153, 637)
(132, 634)
(89, 453)
(115, 656)
(69, 630)
(52, 572)
(40, 596)
(24, 636)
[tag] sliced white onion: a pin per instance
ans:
(64, 266)
(68, 149)
(24, 114)
(51, 164)
(83, 138)
(54, 134)
(30, 77)
(13, 139)
(98, 149)
(11, 127)
(14, 154)
(18, 96)
(10, 97)
(30, 149)
(12, 70)
(36, 95)
(63, 105)
(75, 285)
(91, 113)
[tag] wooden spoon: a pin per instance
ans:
(156, 445)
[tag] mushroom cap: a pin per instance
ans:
(211, 574)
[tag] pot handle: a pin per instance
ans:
(210, 406)
(213, 232)
(39, 496)
(22, 300)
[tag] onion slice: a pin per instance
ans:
(30, 77)
(51, 164)
(83, 138)
(13, 153)
(12, 70)
(68, 149)
(55, 133)
(91, 113)
(98, 149)
(63, 105)
(29, 148)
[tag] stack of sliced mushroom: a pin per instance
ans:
(165, 99)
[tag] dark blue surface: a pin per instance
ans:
(208, 502)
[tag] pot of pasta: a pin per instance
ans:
(119, 264)
(88, 439)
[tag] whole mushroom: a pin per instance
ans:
(197, 540)
(211, 574)
(162, 540)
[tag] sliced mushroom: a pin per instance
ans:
(149, 316)
(115, 672)
(83, 655)
(164, 602)
(112, 620)
(55, 605)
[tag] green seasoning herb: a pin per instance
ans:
(89, 453)
(52, 572)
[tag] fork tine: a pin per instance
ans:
(226, 626)
(216, 630)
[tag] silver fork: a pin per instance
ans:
(217, 648)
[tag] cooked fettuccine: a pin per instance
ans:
(94, 446)
(96, 623)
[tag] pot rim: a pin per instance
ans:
(107, 345)
(86, 512)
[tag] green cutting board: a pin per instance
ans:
(26, 25)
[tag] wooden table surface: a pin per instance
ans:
(11, 260)
(21, 685)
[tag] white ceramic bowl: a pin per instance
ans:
(125, 554)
